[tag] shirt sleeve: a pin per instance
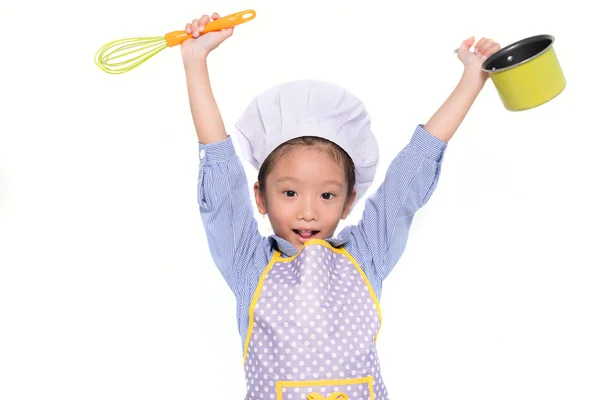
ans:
(226, 210)
(408, 184)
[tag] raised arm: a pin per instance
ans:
(446, 120)
(413, 175)
(205, 112)
(223, 194)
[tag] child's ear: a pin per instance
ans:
(348, 204)
(261, 202)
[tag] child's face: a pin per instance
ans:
(305, 196)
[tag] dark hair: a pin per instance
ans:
(337, 154)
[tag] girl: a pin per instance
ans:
(307, 301)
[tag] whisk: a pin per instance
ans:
(123, 55)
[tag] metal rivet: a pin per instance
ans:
(510, 58)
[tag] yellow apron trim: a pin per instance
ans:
(366, 280)
(277, 258)
(255, 300)
(333, 396)
(356, 265)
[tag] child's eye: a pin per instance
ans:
(289, 193)
(327, 196)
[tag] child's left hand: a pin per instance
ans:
(474, 60)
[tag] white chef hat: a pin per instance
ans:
(310, 108)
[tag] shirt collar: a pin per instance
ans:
(288, 250)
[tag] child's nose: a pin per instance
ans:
(308, 210)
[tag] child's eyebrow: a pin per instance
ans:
(286, 178)
(334, 182)
(295, 180)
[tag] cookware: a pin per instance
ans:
(526, 73)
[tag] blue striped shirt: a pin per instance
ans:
(241, 253)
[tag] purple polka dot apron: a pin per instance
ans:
(314, 319)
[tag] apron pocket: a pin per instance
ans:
(336, 389)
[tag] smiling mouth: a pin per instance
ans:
(304, 234)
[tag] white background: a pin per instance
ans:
(107, 289)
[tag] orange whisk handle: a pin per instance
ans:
(177, 37)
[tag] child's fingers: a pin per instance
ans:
(485, 48)
(203, 21)
(494, 47)
(195, 27)
(198, 25)
(486, 45)
(468, 42)
(479, 44)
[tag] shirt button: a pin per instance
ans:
(202, 153)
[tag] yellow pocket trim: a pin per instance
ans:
(332, 396)
(330, 382)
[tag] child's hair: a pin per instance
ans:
(336, 153)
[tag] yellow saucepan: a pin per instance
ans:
(526, 73)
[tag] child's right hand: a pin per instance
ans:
(197, 47)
